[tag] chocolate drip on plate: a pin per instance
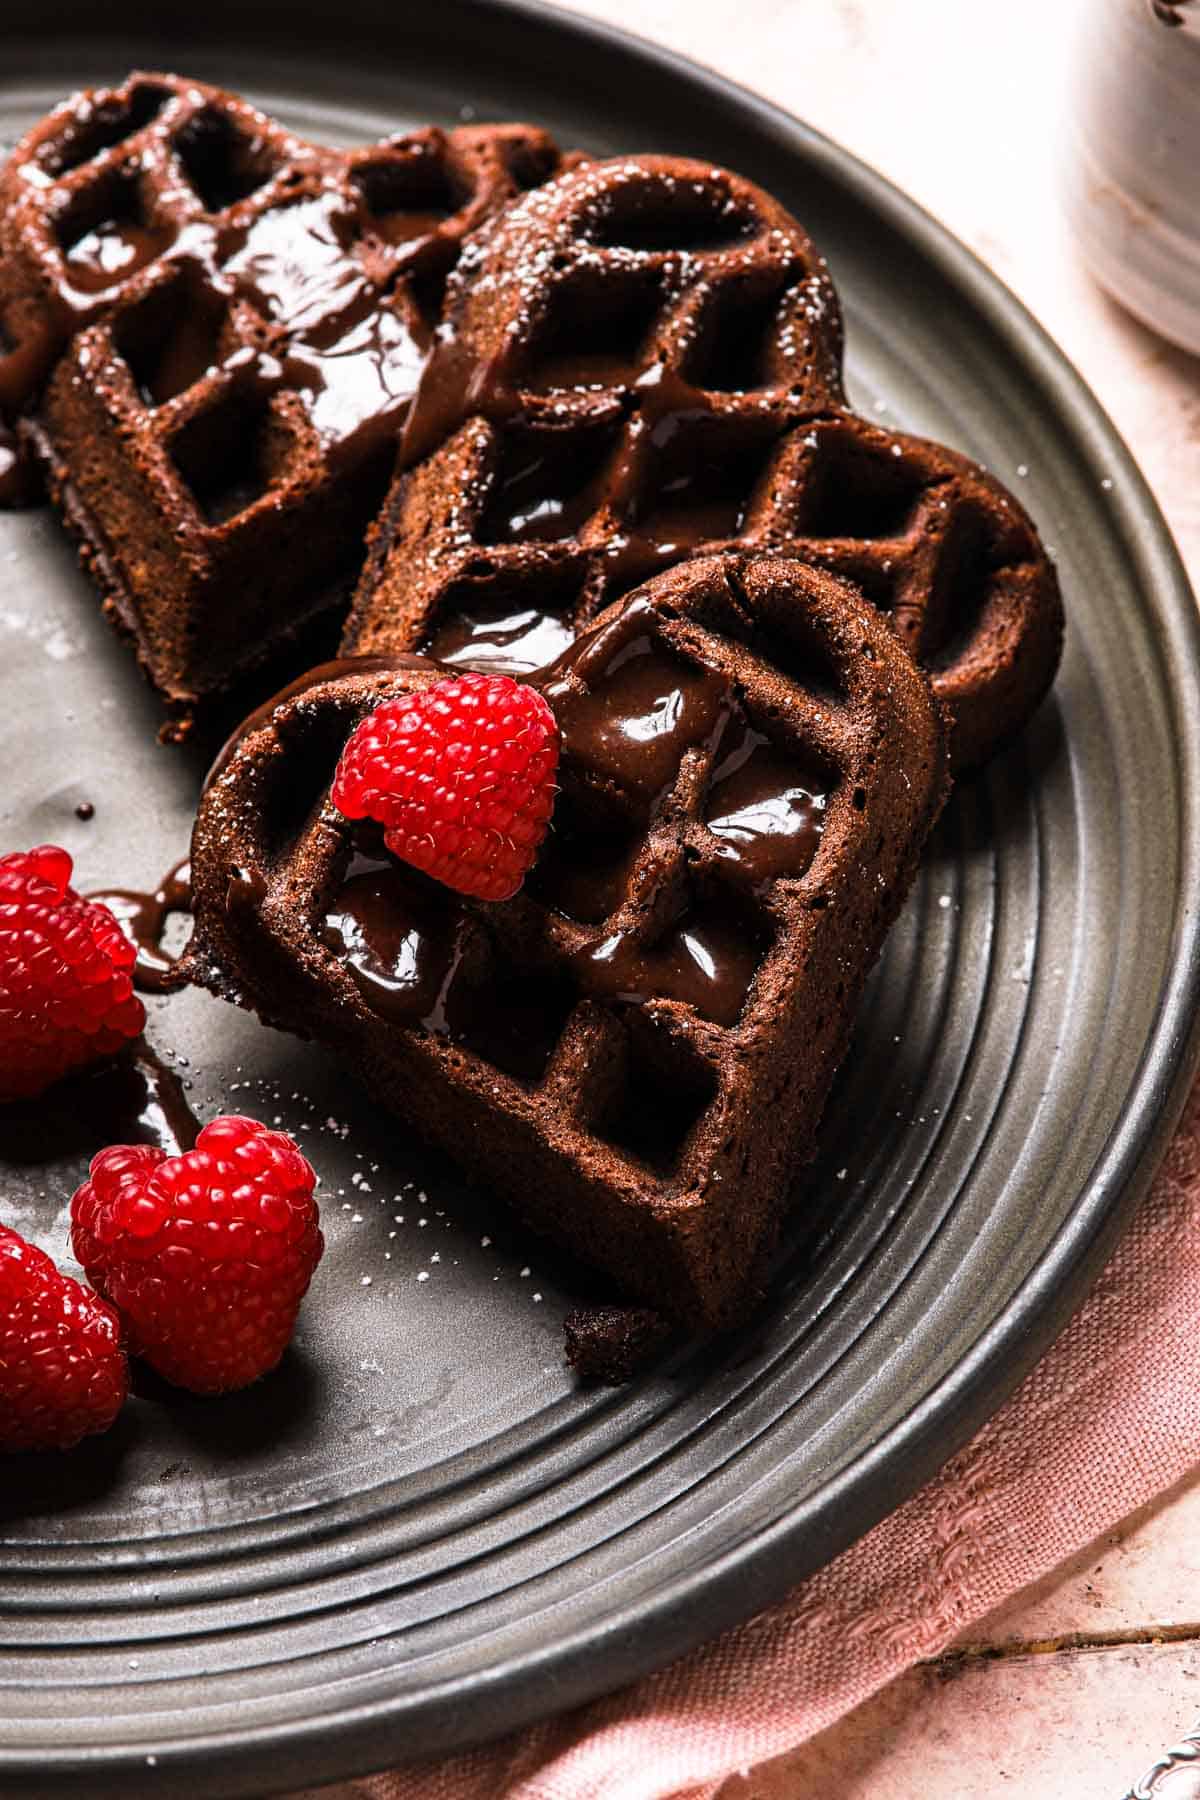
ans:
(143, 918)
(133, 1098)
(157, 1109)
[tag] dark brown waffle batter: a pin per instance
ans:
(637, 1048)
(642, 360)
(225, 326)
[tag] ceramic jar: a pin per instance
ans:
(1134, 179)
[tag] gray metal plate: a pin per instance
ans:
(419, 1533)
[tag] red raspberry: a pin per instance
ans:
(63, 1373)
(66, 989)
(206, 1256)
(462, 776)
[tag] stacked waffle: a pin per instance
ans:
(637, 1048)
(605, 401)
(222, 328)
(641, 361)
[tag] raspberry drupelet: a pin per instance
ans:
(63, 1373)
(461, 776)
(66, 981)
(206, 1256)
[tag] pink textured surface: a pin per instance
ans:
(1074, 1725)
(834, 1691)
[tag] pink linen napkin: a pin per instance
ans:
(1108, 1419)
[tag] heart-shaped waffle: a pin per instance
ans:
(225, 326)
(642, 361)
(636, 1049)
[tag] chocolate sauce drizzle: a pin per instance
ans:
(156, 1108)
(668, 497)
(132, 1098)
(354, 352)
(20, 481)
(765, 809)
(351, 352)
(420, 957)
(707, 963)
(401, 940)
(505, 637)
(143, 918)
(629, 710)
(112, 251)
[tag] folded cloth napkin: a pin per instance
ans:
(1108, 1419)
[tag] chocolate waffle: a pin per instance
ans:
(225, 326)
(636, 1049)
(642, 361)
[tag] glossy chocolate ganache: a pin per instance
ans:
(218, 246)
(630, 707)
(697, 500)
(419, 956)
(337, 341)
(629, 711)
(19, 484)
(143, 917)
